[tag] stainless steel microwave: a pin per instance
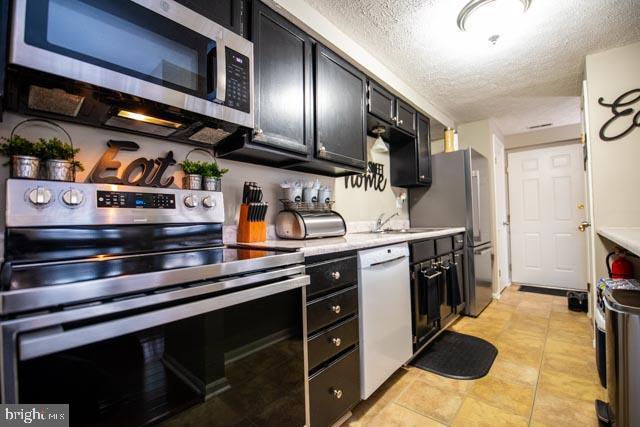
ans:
(158, 50)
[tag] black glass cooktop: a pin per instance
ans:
(33, 275)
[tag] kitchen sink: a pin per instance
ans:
(403, 230)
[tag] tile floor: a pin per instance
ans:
(544, 375)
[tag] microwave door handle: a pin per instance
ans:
(44, 342)
(221, 71)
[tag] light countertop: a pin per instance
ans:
(627, 237)
(350, 241)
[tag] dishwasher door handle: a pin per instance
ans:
(388, 261)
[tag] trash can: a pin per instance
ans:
(622, 319)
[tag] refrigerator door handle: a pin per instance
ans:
(477, 232)
(483, 251)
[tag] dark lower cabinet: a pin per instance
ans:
(231, 14)
(411, 157)
(333, 338)
(340, 111)
(335, 390)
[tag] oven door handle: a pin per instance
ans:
(41, 343)
(221, 70)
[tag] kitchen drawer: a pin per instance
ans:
(332, 341)
(444, 245)
(422, 250)
(332, 275)
(335, 390)
(458, 242)
(332, 308)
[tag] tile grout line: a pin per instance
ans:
(544, 349)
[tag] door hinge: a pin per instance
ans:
(415, 339)
(499, 273)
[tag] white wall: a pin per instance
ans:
(479, 136)
(542, 136)
(353, 204)
(615, 170)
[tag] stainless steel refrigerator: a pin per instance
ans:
(459, 196)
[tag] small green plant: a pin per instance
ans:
(212, 170)
(54, 149)
(18, 146)
(206, 169)
(192, 168)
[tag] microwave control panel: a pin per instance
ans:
(124, 199)
(238, 87)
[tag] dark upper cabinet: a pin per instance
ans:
(411, 157)
(405, 117)
(4, 40)
(283, 59)
(340, 119)
(380, 103)
(229, 13)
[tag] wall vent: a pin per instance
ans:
(543, 125)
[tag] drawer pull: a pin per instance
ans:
(336, 341)
(336, 309)
(335, 275)
(337, 393)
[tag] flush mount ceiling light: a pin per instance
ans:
(490, 18)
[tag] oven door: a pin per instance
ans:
(231, 359)
(161, 51)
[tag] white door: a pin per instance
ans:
(546, 190)
(502, 221)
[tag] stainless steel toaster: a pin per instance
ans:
(298, 225)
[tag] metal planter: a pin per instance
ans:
(212, 184)
(192, 182)
(26, 167)
(60, 170)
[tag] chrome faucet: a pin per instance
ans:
(381, 223)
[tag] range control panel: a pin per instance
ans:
(125, 199)
(238, 88)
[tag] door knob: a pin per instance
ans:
(584, 225)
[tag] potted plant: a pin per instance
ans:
(60, 159)
(23, 157)
(192, 179)
(212, 176)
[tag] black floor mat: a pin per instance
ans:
(545, 291)
(457, 356)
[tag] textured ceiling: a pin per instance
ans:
(531, 76)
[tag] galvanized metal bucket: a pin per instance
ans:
(211, 184)
(60, 170)
(26, 167)
(192, 182)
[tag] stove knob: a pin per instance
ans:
(72, 197)
(40, 196)
(191, 201)
(209, 202)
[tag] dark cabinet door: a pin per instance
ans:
(380, 102)
(228, 13)
(340, 110)
(405, 117)
(423, 140)
(4, 40)
(283, 81)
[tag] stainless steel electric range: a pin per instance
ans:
(124, 303)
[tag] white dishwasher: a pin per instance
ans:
(385, 314)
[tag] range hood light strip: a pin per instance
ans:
(149, 119)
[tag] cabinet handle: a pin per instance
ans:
(322, 147)
(422, 177)
(337, 393)
(336, 309)
(335, 275)
(401, 122)
(258, 132)
(395, 119)
(336, 341)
